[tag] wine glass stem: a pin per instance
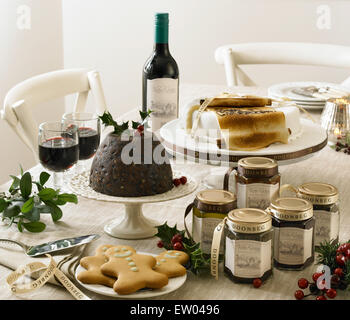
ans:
(57, 180)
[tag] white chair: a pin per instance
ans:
(293, 53)
(22, 98)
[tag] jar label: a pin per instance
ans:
(202, 231)
(256, 195)
(248, 258)
(162, 99)
(326, 226)
(293, 246)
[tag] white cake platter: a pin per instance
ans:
(173, 284)
(133, 224)
(180, 144)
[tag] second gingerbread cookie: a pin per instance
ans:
(171, 263)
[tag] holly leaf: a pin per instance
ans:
(107, 120)
(165, 233)
(135, 124)
(145, 115)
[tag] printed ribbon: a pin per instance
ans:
(215, 249)
(51, 270)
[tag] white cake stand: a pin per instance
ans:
(133, 224)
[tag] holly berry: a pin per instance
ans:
(321, 298)
(299, 294)
(176, 238)
(343, 248)
(339, 272)
(178, 246)
(257, 283)
(316, 275)
(140, 128)
(160, 244)
(331, 293)
(303, 283)
(176, 182)
(340, 259)
(183, 180)
(347, 253)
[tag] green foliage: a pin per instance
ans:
(23, 206)
(198, 262)
(107, 120)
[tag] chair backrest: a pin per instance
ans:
(294, 53)
(22, 98)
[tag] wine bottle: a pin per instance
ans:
(160, 85)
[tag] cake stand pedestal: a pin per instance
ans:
(133, 224)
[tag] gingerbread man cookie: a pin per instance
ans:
(171, 263)
(92, 264)
(133, 271)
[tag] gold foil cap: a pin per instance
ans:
(257, 166)
(217, 197)
(318, 193)
(291, 209)
(248, 220)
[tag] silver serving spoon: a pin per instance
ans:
(53, 246)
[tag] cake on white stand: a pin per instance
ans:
(133, 224)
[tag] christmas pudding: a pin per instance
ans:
(241, 123)
(130, 163)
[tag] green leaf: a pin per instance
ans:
(56, 212)
(15, 183)
(145, 115)
(44, 177)
(47, 194)
(21, 170)
(11, 211)
(3, 204)
(108, 120)
(135, 124)
(34, 226)
(26, 185)
(67, 197)
(19, 225)
(28, 205)
(39, 186)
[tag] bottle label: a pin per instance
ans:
(202, 231)
(256, 195)
(293, 246)
(326, 226)
(162, 99)
(248, 258)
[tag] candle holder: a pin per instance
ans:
(335, 118)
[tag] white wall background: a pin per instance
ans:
(116, 37)
(25, 53)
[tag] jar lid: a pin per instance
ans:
(258, 166)
(214, 196)
(291, 209)
(248, 220)
(318, 193)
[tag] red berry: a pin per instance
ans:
(303, 283)
(316, 275)
(321, 298)
(140, 128)
(347, 254)
(160, 244)
(331, 293)
(183, 180)
(299, 294)
(257, 283)
(339, 272)
(176, 182)
(178, 246)
(340, 259)
(176, 238)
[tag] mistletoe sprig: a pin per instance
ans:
(23, 206)
(198, 262)
(107, 120)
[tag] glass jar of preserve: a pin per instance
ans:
(325, 200)
(294, 225)
(209, 208)
(257, 182)
(248, 237)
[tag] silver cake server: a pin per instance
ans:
(53, 246)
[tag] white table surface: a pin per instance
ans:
(90, 216)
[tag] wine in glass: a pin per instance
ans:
(89, 131)
(58, 149)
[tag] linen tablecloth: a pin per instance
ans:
(90, 216)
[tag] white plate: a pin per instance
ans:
(177, 142)
(173, 284)
(285, 90)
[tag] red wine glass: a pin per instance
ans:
(58, 149)
(89, 132)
